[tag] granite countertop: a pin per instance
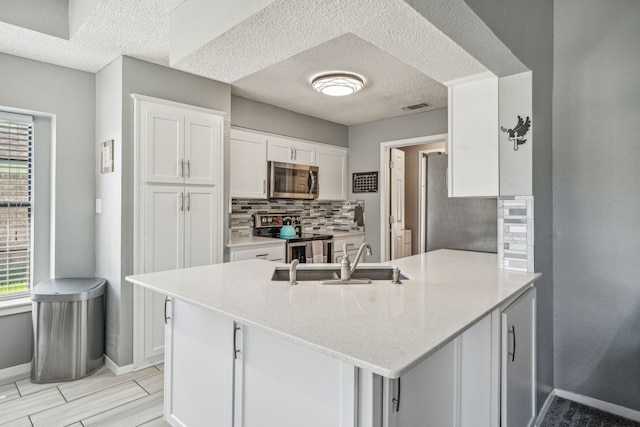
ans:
(381, 327)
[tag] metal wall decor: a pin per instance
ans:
(518, 132)
(365, 182)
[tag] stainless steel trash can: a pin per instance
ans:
(68, 329)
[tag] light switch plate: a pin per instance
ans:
(98, 206)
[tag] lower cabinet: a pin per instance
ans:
(518, 361)
(269, 252)
(199, 366)
(220, 373)
(456, 386)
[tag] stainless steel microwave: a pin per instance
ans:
(289, 181)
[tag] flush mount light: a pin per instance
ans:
(338, 84)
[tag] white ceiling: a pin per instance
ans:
(271, 55)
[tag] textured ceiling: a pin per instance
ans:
(387, 41)
(390, 84)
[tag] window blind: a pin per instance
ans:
(16, 159)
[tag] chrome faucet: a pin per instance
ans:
(292, 272)
(346, 269)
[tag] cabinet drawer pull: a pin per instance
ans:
(513, 353)
(396, 400)
(261, 255)
(236, 328)
(166, 301)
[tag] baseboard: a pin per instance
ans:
(118, 370)
(621, 411)
(14, 373)
(545, 408)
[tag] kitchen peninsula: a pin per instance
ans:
(244, 350)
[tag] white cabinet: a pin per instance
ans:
(218, 373)
(269, 252)
(473, 137)
(332, 173)
(287, 150)
(248, 168)
(457, 385)
(279, 383)
(199, 367)
(353, 244)
(178, 199)
(518, 361)
(179, 145)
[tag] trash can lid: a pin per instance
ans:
(68, 289)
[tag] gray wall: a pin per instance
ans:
(67, 96)
(44, 16)
(364, 156)
(526, 28)
(157, 81)
(255, 115)
(596, 199)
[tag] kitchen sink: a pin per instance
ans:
(317, 273)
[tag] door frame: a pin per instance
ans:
(385, 150)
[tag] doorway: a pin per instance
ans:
(402, 211)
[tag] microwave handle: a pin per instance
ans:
(312, 177)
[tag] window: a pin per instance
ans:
(16, 148)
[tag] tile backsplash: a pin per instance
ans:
(515, 233)
(334, 216)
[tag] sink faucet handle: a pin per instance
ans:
(344, 249)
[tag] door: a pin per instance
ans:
(279, 150)
(199, 367)
(397, 203)
(200, 219)
(203, 140)
(518, 362)
(303, 153)
(164, 243)
(279, 383)
(164, 144)
(248, 170)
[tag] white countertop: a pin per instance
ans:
(254, 241)
(381, 327)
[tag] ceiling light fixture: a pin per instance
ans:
(338, 84)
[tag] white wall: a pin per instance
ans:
(364, 156)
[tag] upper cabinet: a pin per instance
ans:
(473, 137)
(251, 151)
(290, 151)
(182, 146)
(248, 170)
(332, 173)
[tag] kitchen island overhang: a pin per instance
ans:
(383, 328)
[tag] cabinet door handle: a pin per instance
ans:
(181, 202)
(396, 400)
(264, 186)
(181, 169)
(236, 328)
(188, 202)
(513, 353)
(291, 153)
(188, 173)
(295, 154)
(166, 301)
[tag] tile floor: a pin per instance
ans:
(102, 399)
(566, 413)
